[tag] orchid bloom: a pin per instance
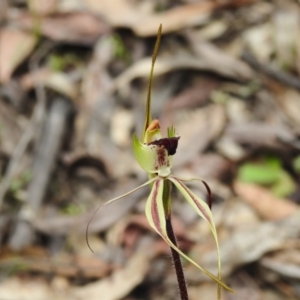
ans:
(154, 154)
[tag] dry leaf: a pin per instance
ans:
(207, 57)
(285, 263)
(218, 61)
(266, 135)
(267, 205)
(43, 7)
(123, 13)
(289, 101)
(15, 46)
(68, 266)
(10, 131)
(57, 81)
(104, 218)
(286, 19)
(250, 244)
(97, 107)
(197, 130)
(119, 284)
(194, 96)
(28, 289)
(259, 40)
(78, 27)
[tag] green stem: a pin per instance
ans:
(175, 256)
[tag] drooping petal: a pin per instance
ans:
(157, 219)
(205, 184)
(154, 210)
(152, 158)
(204, 211)
(110, 201)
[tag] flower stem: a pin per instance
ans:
(175, 256)
(177, 263)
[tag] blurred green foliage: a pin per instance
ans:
(270, 173)
(20, 182)
(296, 164)
(120, 50)
(72, 209)
(58, 62)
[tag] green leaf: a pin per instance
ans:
(268, 173)
(259, 174)
(296, 164)
(284, 186)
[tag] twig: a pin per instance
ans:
(43, 164)
(29, 132)
(271, 71)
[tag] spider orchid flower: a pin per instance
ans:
(154, 154)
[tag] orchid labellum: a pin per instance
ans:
(154, 154)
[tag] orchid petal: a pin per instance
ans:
(204, 211)
(155, 214)
(154, 210)
(205, 184)
(110, 201)
(152, 158)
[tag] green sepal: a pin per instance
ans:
(151, 158)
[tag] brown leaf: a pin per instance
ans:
(15, 46)
(286, 19)
(78, 27)
(197, 130)
(218, 61)
(267, 206)
(89, 267)
(289, 101)
(119, 284)
(28, 289)
(197, 94)
(43, 7)
(123, 13)
(266, 135)
(207, 58)
(57, 81)
(104, 218)
(250, 244)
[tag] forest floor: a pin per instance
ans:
(73, 86)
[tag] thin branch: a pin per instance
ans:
(271, 71)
